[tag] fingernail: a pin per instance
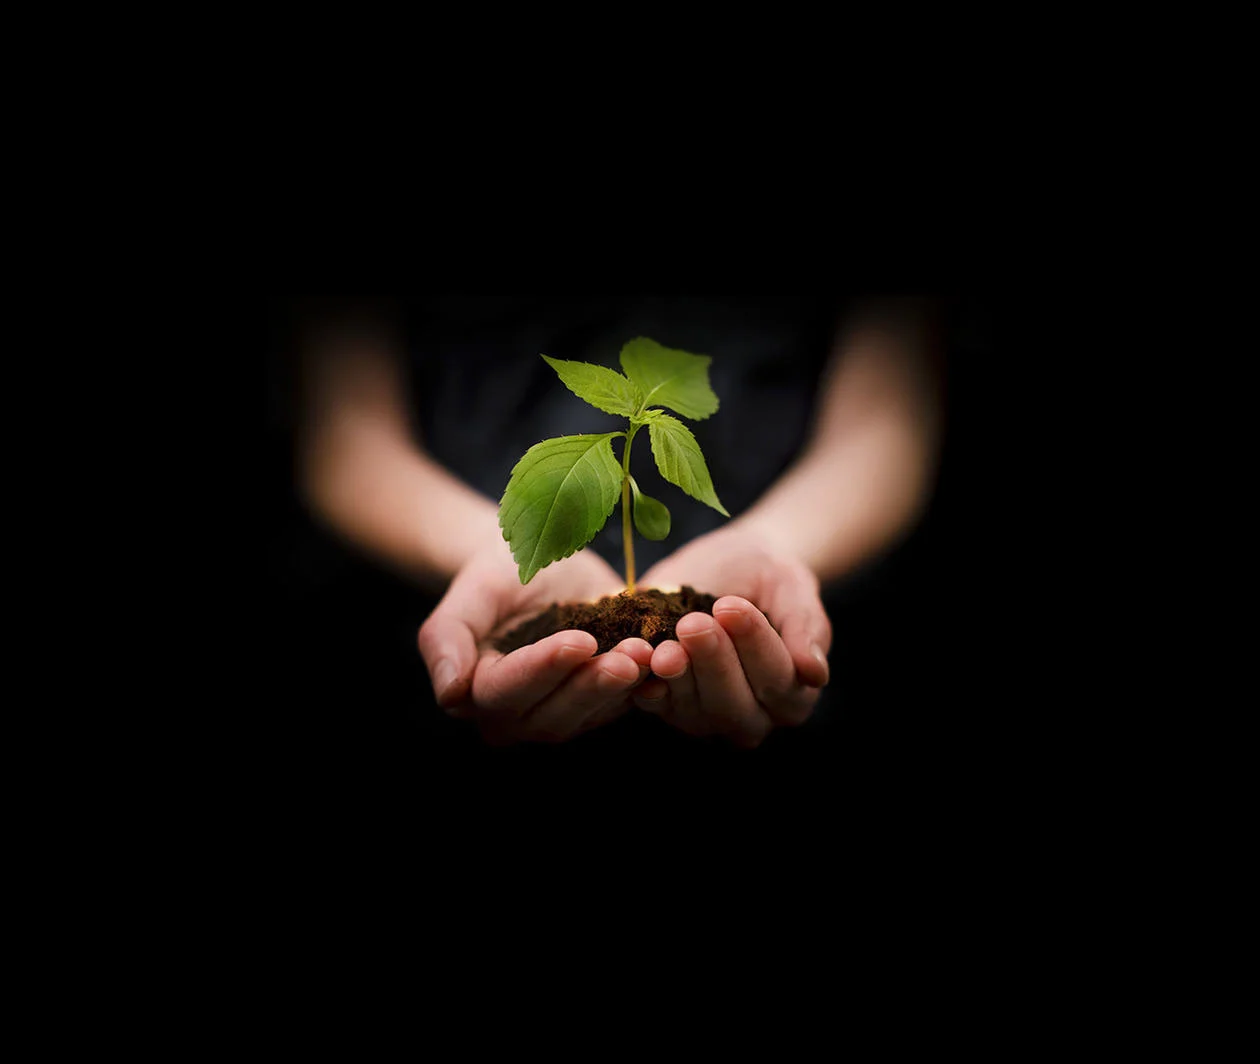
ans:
(611, 679)
(445, 673)
(703, 636)
(673, 675)
(570, 654)
(635, 649)
(816, 653)
(736, 621)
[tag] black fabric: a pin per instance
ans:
(484, 396)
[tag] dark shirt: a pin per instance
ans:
(483, 396)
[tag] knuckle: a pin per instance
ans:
(794, 717)
(795, 712)
(490, 702)
(497, 703)
(772, 695)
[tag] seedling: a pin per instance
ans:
(563, 490)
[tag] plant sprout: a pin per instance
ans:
(563, 490)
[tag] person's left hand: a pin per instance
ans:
(736, 673)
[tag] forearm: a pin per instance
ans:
(388, 497)
(838, 507)
(364, 474)
(865, 476)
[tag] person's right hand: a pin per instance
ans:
(548, 691)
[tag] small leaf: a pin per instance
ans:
(600, 386)
(651, 517)
(559, 495)
(675, 379)
(680, 461)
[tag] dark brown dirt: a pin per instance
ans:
(648, 613)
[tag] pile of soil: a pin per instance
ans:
(649, 614)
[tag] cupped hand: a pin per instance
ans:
(736, 673)
(548, 691)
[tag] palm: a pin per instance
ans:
(721, 563)
(582, 577)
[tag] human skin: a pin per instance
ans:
(858, 484)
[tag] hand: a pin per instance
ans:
(733, 674)
(548, 691)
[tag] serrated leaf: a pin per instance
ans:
(598, 385)
(676, 379)
(651, 517)
(680, 461)
(559, 495)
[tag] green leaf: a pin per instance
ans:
(600, 386)
(679, 459)
(651, 517)
(559, 495)
(675, 379)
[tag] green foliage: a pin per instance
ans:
(674, 379)
(679, 459)
(651, 517)
(563, 490)
(559, 495)
(600, 386)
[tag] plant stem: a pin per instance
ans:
(627, 527)
(627, 534)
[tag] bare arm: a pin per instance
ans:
(867, 471)
(364, 471)
(858, 485)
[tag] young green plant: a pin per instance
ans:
(563, 490)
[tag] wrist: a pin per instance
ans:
(477, 540)
(764, 531)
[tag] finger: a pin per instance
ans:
(767, 664)
(808, 647)
(798, 613)
(722, 689)
(681, 709)
(448, 638)
(602, 685)
(510, 685)
(449, 649)
(640, 651)
(652, 696)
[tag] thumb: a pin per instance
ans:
(804, 627)
(448, 638)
